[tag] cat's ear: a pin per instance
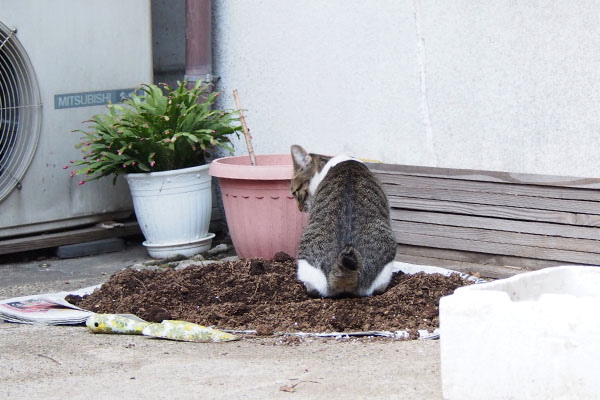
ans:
(302, 160)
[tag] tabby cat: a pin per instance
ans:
(348, 246)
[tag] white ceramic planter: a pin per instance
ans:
(173, 209)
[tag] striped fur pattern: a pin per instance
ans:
(347, 247)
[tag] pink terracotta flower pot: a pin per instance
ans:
(262, 215)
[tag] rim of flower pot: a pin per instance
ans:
(269, 167)
(145, 175)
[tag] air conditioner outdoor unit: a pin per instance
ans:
(61, 61)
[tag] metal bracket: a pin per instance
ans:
(208, 78)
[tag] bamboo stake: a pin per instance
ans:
(244, 128)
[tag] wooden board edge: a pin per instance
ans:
(71, 236)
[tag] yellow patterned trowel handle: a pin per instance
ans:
(114, 323)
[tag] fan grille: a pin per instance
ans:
(20, 111)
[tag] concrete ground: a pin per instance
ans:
(46, 362)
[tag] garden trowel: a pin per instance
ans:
(175, 330)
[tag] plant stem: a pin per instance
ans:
(244, 128)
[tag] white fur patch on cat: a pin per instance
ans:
(313, 278)
(382, 281)
(316, 180)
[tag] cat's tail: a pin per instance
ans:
(344, 274)
(348, 259)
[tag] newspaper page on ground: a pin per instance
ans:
(45, 309)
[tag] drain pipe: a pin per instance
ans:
(198, 41)
(198, 67)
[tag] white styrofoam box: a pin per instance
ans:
(531, 336)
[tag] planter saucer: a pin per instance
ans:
(187, 249)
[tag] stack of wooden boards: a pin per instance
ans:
(491, 223)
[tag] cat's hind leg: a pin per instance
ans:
(313, 279)
(381, 282)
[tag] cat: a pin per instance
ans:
(348, 247)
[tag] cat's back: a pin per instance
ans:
(349, 190)
(350, 207)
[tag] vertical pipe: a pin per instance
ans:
(198, 40)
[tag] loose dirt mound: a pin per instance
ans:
(266, 296)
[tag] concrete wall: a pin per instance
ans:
(511, 86)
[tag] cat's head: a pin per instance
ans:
(306, 166)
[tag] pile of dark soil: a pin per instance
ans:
(266, 296)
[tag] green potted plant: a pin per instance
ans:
(161, 141)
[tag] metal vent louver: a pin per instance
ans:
(20, 111)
